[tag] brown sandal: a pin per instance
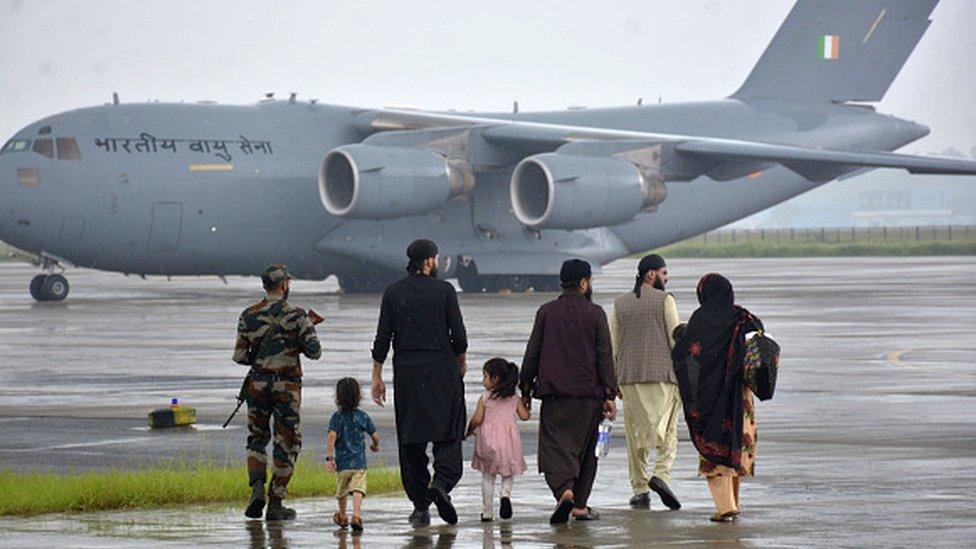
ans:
(590, 514)
(340, 520)
(731, 516)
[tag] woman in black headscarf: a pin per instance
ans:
(719, 409)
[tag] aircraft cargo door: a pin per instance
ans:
(164, 229)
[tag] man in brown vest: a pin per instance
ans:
(642, 324)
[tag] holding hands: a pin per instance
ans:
(379, 391)
(610, 409)
(378, 388)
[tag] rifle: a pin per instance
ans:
(241, 397)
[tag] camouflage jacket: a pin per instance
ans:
(291, 333)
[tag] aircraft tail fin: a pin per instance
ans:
(838, 50)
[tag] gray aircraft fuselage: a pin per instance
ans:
(185, 189)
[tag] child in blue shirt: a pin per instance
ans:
(345, 451)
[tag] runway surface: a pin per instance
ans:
(871, 438)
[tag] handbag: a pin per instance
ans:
(761, 365)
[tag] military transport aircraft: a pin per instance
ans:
(207, 189)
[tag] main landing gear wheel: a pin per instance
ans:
(475, 283)
(366, 282)
(53, 287)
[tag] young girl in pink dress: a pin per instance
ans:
(498, 447)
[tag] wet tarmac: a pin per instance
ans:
(871, 439)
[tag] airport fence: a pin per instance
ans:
(837, 235)
(943, 240)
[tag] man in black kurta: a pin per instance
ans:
(421, 317)
(568, 365)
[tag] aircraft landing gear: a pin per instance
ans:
(472, 282)
(367, 280)
(35, 287)
(49, 287)
(52, 285)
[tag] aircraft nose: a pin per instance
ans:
(8, 181)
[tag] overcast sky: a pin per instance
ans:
(58, 55)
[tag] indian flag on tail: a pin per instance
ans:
(829, 46)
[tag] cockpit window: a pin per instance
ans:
(16, 145)
(44, 147)
(67, 148)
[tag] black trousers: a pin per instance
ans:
(567, 444)
(415, 474)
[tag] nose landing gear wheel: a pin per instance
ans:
(55, 288)
(35, 287)
(49, 287)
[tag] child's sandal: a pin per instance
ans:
(340, 520)
(357, 524)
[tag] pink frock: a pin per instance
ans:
(498, 446)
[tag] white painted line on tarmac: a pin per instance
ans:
(78, 445)
(895, 359)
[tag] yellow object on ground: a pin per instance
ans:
(174, 416)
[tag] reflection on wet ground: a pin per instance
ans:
(871, 439)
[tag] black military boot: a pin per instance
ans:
(277, 511)
(255, 508)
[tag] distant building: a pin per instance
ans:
(905, 208)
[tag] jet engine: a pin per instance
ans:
(382, 182)
(563, 191)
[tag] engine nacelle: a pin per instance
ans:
(381, 182)
(563, 191)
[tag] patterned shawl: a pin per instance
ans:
(708, 364)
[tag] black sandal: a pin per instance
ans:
(561, 514)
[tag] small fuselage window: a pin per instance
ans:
(67, 148)
(15, 146)
(44, 147)
(28, 177)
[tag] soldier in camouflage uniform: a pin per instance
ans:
(271, 336)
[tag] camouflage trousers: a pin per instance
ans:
(281, 397)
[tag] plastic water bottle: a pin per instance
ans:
(603, 438)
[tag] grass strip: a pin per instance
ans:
(26, 494)
(819, 249)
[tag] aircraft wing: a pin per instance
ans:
(812, 163)
(798, 156)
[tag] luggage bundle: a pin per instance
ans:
(761, 365)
